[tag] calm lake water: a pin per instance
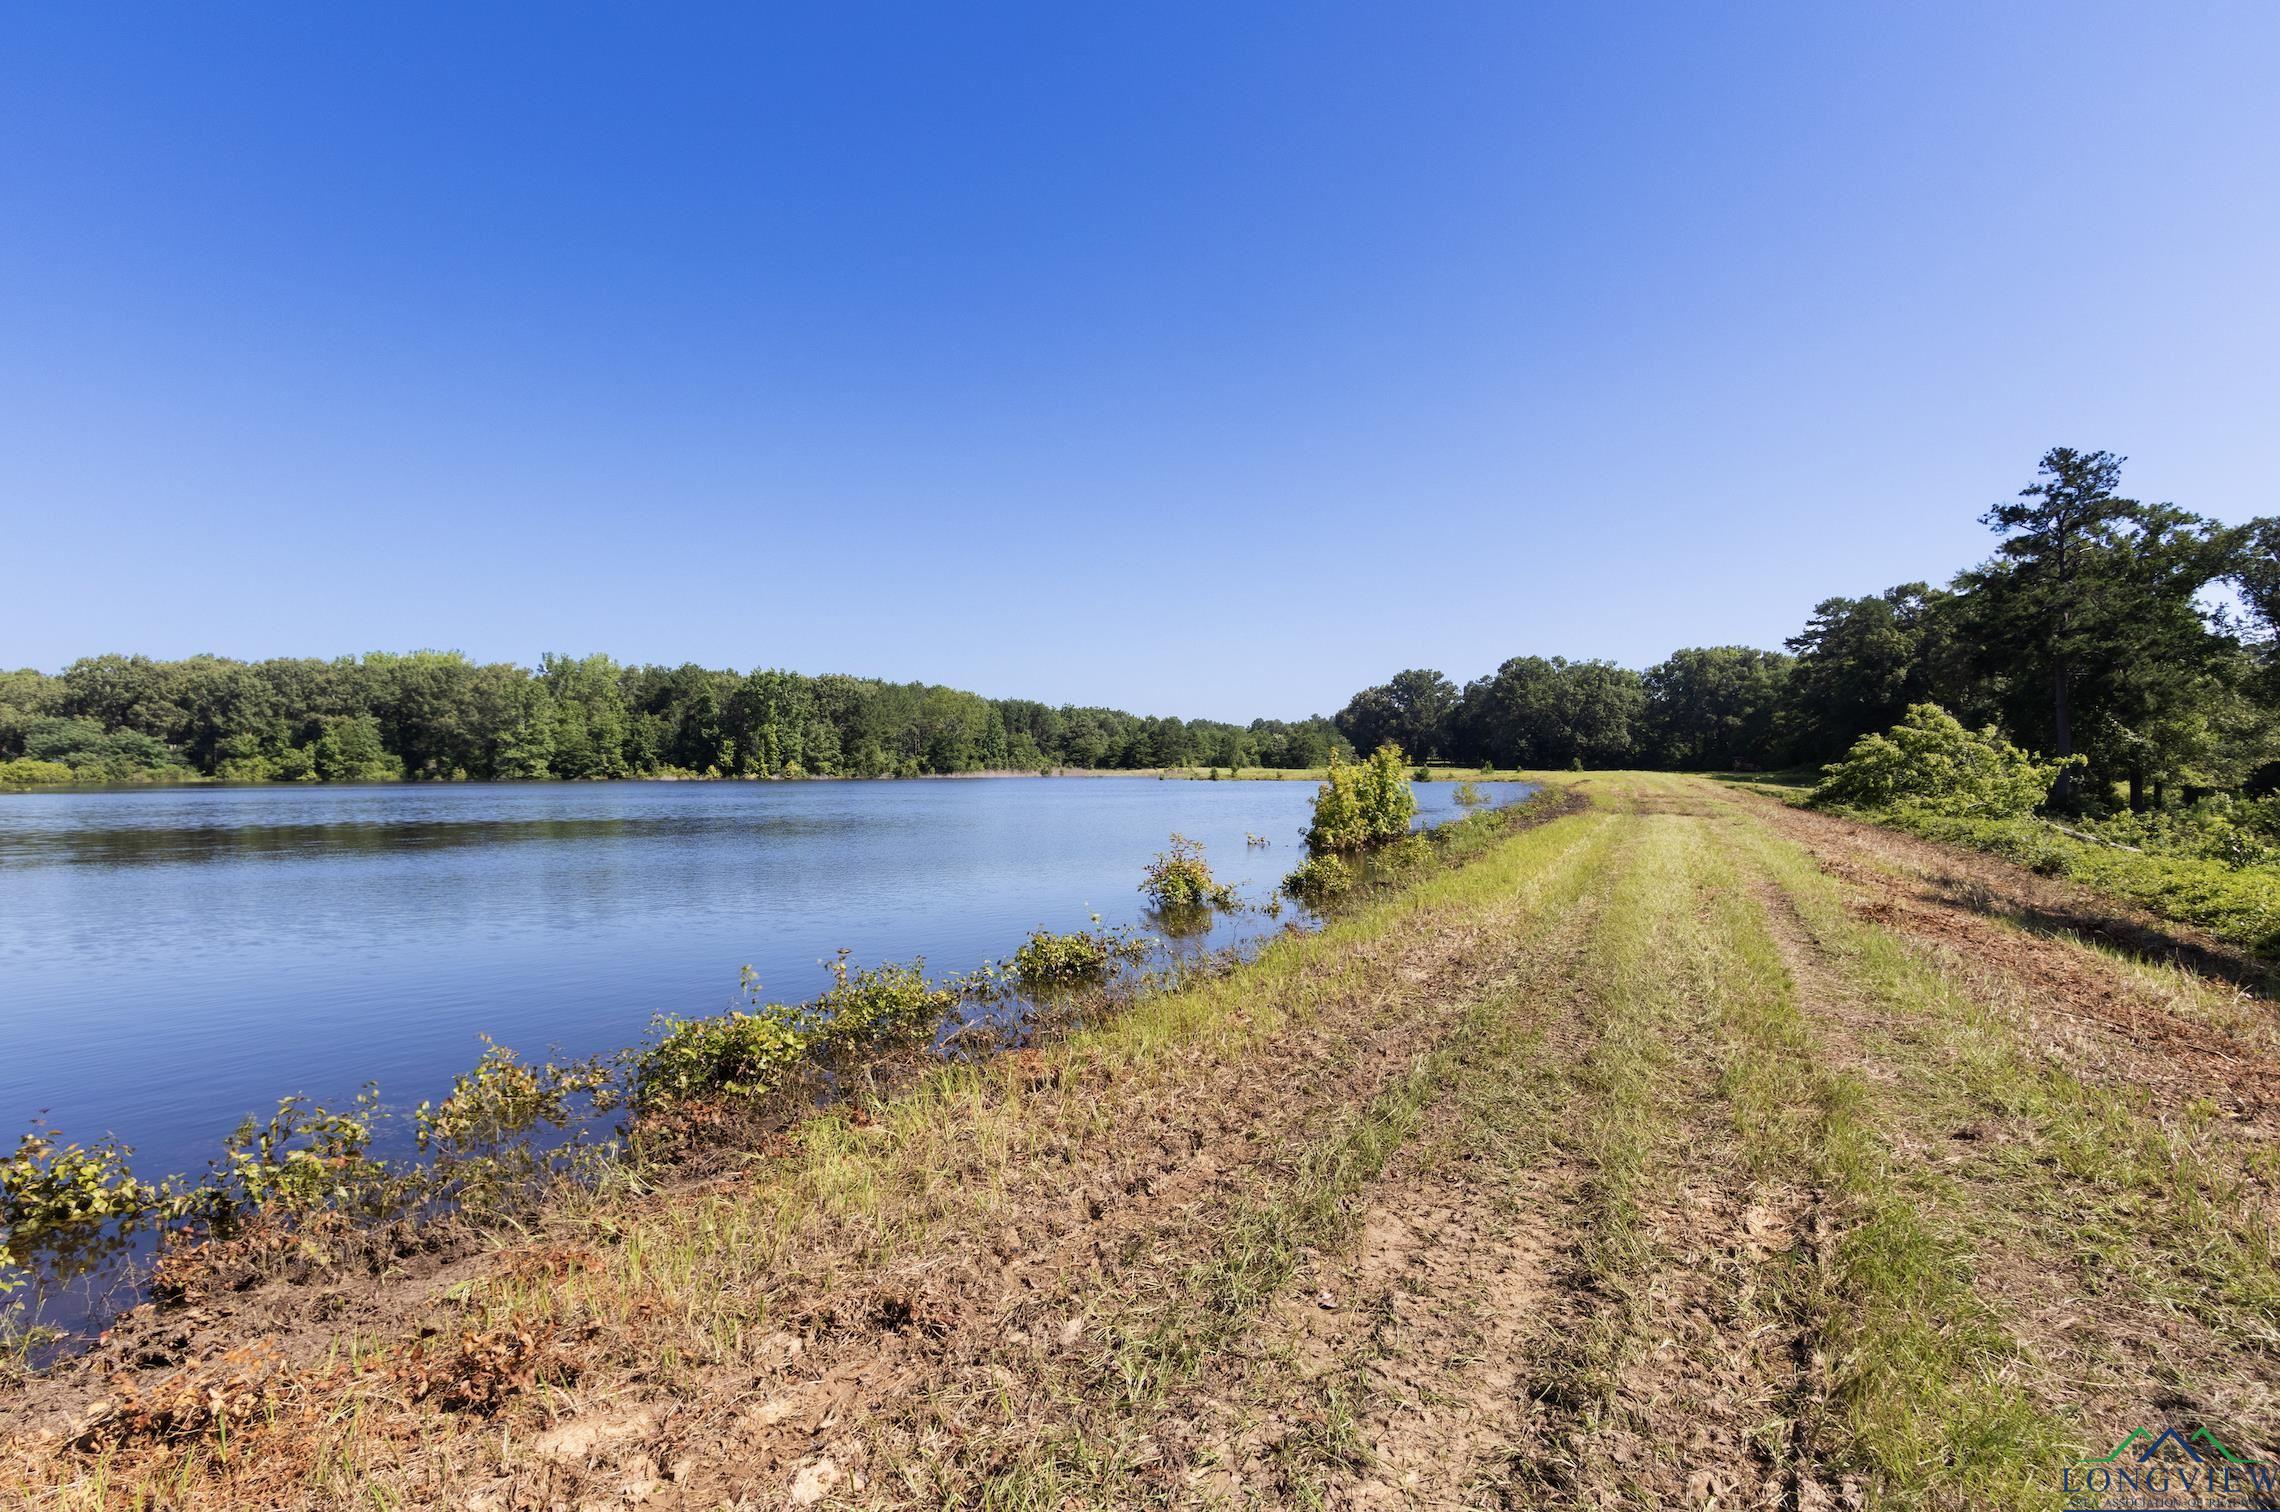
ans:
(172, 960)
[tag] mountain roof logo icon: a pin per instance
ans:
(2198, 1446)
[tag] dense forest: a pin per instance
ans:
(2092, 628)
(2099, 626)
(434, 714)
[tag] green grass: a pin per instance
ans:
(1919, 1362)
(2240, 905)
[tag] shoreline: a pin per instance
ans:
(159, 1222)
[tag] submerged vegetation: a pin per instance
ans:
(1361, 808)
(1361, 805)
(1318, 879)
(749, 1051)
(1047, 961)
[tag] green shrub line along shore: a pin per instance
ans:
(476, 1154)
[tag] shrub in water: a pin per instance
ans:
(1178, 878)
(1930, 761)
(750, 1051)
(1318, 879)
(306, 1156)
(1362, 805)
(1047, 959)
(503, 1096)
(47, 1184)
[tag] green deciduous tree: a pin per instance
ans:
(1716, 708)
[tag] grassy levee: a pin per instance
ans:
(1892, 1385)
(1912, 1358)
(1083, 1430)
(1636, 975)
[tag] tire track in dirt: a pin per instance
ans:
(1010, 1337)
(1701, 1369)
(1391, 1372)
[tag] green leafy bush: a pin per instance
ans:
(1049, 960)
(305, 1156)
(505, 1095)
(1930, 761)
(1179, 878)
(48, 1184)
(25, 772)
(1360, 805)
(2235, 831)
(747, 1052)
(1319, 878)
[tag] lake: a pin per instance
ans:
(173, 959)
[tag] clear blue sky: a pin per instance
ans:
(1209, 360)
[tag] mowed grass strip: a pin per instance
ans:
(1923, 1410)
(2110, 1202)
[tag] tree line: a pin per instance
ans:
(439, 715)
(2092, 629)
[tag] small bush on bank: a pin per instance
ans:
(750, 1052)
(1049, 960)
(1930, 761)
(1180, 878)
